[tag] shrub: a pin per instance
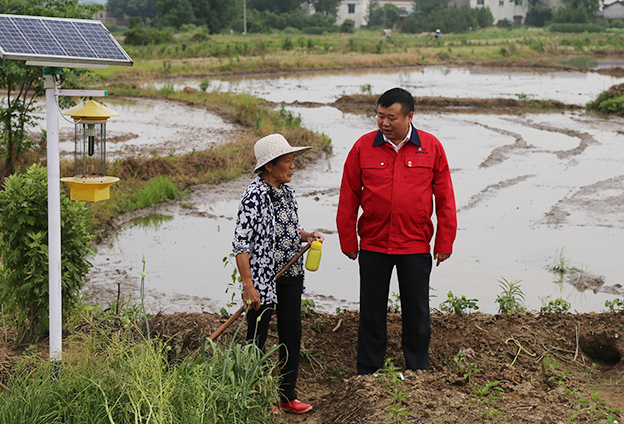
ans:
(610, 101)
(141, 36)
(575, 27)
(24, 280)
(347, 26)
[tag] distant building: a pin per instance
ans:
(514, 11)
(356, 10)
(108, 18)
(613, 10)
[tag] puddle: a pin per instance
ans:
(526, 187)
(151, 127)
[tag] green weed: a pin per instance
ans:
(510, 301)
(396, 412)
(394, 303)
(458, 305)
(466, 368)
(615, 304)
(557, 306)
(107, 377)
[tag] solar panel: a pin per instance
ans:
(59, 42)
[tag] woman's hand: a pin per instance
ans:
(310, 237)
(251, 297)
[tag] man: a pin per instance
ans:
(393, 174)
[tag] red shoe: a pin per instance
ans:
(295, 407)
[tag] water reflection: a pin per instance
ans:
(152, 220)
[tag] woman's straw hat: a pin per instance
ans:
(271, 147)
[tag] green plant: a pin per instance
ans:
(107, 377)
(465, 367)
(307, 306)
(394, 303)
(549, 363)
(487, 393)
(142, 292)
(24, 282)
(158, 189)
(615, 304)
(366, 89)
(458, 305)
(557, 306)
(510, 300)
(204, 84)
(396, 412)
(560, 264)
(232, 285)
(522, 96)
(597, 409)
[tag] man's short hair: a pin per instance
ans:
(397, 95)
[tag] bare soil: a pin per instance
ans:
(541, 368)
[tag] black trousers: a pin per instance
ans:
(288, 311)
(413, 272)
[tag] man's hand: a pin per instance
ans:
(351, 255)
(441, 257)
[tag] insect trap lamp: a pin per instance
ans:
(90, 182)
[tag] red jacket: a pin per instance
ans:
(395, 191)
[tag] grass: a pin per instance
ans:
(264, 53)
(115, 377)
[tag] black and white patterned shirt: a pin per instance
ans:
(267, 227)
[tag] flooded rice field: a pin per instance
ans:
(533, 191)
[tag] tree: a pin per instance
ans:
(217, 15)
(538, 15)
(427, 7)
(174, 13)
(22, 84)
(276, 6)
(326, 7)
(391, 15)
(144, 9)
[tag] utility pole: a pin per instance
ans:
(244, 16)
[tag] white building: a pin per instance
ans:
(613, 10)
(514, 11)
(356, 10)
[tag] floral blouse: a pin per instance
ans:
(267, 227)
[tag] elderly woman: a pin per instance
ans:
(267, 237)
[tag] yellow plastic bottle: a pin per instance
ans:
(314, 256)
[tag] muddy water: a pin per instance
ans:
(569, 87)
(532, 191)
(151, 127)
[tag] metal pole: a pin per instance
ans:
(54, 215)
(244, 16)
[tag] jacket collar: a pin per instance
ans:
(379, 140)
